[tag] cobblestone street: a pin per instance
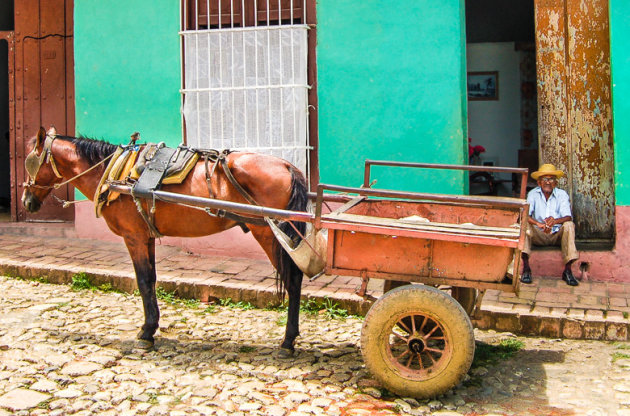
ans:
(72, 352)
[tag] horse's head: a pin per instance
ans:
(40, 168)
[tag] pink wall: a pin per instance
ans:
(608, 266)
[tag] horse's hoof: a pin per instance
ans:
(143, 344)
(286, 353)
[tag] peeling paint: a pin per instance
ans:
(575, 114)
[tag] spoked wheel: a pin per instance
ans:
(466, 296)
(417, 341)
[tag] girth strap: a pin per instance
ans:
(148, 182)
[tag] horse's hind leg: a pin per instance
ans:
(294, 289)
(142, 254)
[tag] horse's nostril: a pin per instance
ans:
(31, 204)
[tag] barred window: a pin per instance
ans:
(245, 76)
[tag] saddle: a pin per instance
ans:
(146, 168)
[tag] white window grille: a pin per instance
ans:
(245, 85)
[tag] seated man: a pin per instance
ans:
(550, 222)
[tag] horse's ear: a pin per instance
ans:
(52, 131)
(41, 137)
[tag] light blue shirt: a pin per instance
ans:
(557, 206)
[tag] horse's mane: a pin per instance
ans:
(91, 149)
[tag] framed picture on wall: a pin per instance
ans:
(483, 86)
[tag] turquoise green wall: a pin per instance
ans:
(127, 69)
(391, 85)
(620, 63)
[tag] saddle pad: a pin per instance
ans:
(121, 170)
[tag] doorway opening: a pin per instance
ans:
(6, 25)
(502, 97)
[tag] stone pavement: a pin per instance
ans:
(548, 307)
(71, 352)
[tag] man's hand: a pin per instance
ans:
(548, 225)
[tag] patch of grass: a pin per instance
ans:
(43, 279)
(281, 307)
(487, 354)
(626, 314)
(163, 295)
(12, 276)
(326, 307)
(172, 299)
(227, 302)
(246, 349)
(619, 356)
(81, 281)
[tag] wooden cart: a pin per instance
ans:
(417, 340)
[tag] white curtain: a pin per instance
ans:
(247, 89)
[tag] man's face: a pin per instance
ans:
(547, 183)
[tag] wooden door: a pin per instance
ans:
(574, 114)
(44, 89)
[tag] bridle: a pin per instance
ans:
(34, 162)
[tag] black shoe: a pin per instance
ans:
(526, 277)
(567, 276)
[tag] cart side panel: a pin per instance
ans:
(437, 212)
(470, 261)
(379, 253)
(355, 253)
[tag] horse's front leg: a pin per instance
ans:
(142, 254)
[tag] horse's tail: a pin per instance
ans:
(289, 276)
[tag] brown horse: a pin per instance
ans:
(272, 182)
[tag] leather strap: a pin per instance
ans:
(234, 182)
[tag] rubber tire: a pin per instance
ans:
(466, 296)
(430, 302)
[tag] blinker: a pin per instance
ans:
(34, 162)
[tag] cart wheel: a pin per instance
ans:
(466, 296)
(417, 341)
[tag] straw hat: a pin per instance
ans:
(547, 170)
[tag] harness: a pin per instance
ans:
(153, 175)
